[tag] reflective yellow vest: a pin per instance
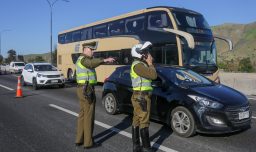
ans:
(139, 83)
(84, 74)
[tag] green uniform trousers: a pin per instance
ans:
(140, 116)
(85, 123)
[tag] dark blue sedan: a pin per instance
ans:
(183, 99)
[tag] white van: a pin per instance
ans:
(16, 67)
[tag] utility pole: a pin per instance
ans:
(51, 4)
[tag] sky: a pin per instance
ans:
(28, 21)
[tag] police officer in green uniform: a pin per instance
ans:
(142, 73)
(86, 79)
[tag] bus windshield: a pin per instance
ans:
(190, 20)
(203, 54)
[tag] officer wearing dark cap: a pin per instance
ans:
(86, 79)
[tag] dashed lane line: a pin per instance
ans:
(10, 89)
(124, 133)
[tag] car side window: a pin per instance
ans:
(30, 67)
(26, 67)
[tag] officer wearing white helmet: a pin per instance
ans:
(142, 73)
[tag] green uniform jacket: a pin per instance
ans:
(145, 72)
(90, 62)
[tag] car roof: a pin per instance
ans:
(38, 63)
(18, 62)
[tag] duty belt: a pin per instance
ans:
(142, 92)
(81, 85)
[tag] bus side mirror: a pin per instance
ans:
(189, 38)
(156, 84)
(230, 43)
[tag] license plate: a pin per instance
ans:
(243, 115)
(54, 81)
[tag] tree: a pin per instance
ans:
(1, 59)
(11, 56)
(21, 58)
(39, 59)
(245, 65)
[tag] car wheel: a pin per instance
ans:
(35, 86)
(110, 103)
(182, 122)
(23, 83)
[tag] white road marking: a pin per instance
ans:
(124, 133)
(253, 117)
(251, 98)
(6, 87)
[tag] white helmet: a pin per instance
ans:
(137, 50)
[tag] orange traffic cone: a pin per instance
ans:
(19, 91)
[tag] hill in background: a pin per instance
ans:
(243, 37)
(31, 57)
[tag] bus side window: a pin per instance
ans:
(158, 20)
(68, 38)
(126, 57)
(135, 24)
(116, 28)
(100, 31)
(86, 34)
(76, 36)
(59, 60)
(62, 38)
(171, 54)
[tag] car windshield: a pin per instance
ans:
(44, 68)
(19, 64)
(181, 77)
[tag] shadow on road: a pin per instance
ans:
(163, 133)
(105, 135)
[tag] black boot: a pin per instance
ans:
(145, 140)
(136, 139)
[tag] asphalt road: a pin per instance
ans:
(45, 121)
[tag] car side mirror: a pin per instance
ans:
(156, 84)
(30, 70)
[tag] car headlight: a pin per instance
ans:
(206, 102)
(40, 75)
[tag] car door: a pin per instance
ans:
(124, 88)
(159, 104)
(30, 73)
(25, 73)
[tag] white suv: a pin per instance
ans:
(41, 74)
(16, 67)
